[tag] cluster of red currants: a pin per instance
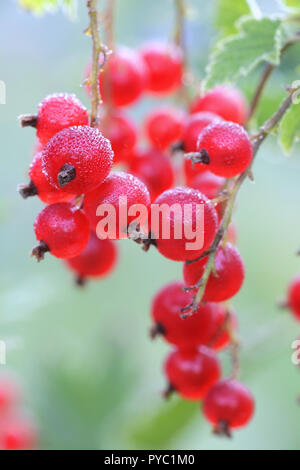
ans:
(71, 172)
(17, 431)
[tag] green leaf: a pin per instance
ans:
(235, 56)
(164, 426)
(40, 7)
(289, 128)
(295, 4)
(228, 12)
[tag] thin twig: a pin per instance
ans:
(269, 68)
(98, 48)
(257, 140)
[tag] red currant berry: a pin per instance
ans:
(17, 433)
(122, 134)
(185, 213)
(97, 260)
(121, 191)
(228, 405)
(229, 278)
(56, 112)
(226, 149)
(164, 126)
(193, 127)
(155, 169)
(40, 186)
(77, 159)
(192, 372)
(225, 101)
(208, 184)
(124, 78)
(227, 322)
(293, 297)
(61, 229)
(194, 330)
(165, 67)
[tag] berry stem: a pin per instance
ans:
(198, 157)
(98, 48)
(179, 39)
(27, 190)
(28, 120)
(66, 174)
(39, 251)
(269, 68)
(257, 140)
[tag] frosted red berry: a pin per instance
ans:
(192, 331)
(40, 186)
(124, 78)
(97, 260)
(165, 67)
(61, 229)
(56, 112)
(228, 405)
(77, 160)
(227, 102)
(192, 372)
(229, 278)
(122, 134)
(154, 168)
(177, 231)
(164, 127)
(193, 127)
(121, 191)
(226, 148)
(293, 297)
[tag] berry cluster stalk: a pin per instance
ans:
(97, 49)
(257, 140)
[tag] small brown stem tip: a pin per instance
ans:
(39, 251)
(27, 190)
(28, 120)
(66, 174)
(157, 330)
(80, 281)
(222, 429)
(168, 391)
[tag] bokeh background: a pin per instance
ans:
(91, 375)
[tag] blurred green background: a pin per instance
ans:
(92, 376)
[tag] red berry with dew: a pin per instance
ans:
(228, 405)
(96, 261)
(225, 148)
(122, 193)
(77, 160)
(227, 102)
(194, 330)
(164, 127)
(183, 223)
(229, 277)
(165, 67)
(192, 372)
(55, 113)
(61, 229)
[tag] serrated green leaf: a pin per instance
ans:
(235, 56)
(289, 128)
(40, 7)
(228, 12)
